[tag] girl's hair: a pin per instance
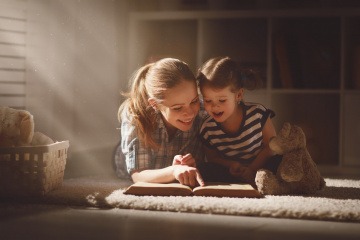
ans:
(152, 81)
(221, 72)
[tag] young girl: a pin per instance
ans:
(160, 125)
(236, 134)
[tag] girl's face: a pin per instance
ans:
(221, 103)
(180, 106)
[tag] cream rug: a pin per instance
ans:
(339, 201)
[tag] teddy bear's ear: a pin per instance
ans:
(298, 134)
(285, 130)
(26, 127)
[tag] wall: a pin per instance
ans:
(75, 66)
(75, 59)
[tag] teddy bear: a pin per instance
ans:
(17, 129)
(297, 172)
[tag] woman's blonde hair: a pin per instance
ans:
(221, 72)
(152, 81)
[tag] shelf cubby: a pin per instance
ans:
(309, 62)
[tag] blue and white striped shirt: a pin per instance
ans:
(244, 145)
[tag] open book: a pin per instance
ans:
(177, 189)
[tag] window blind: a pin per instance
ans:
(13, 25)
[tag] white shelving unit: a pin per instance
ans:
(320, 49)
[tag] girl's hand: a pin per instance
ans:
(244, 173)
(236, 169)
(177, 160)
(189, 176)
(248, 175)
(187, 160)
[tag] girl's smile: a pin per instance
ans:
(217, 115)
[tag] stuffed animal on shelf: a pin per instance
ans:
(17, 129)
(297, 172)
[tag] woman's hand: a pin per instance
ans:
(187, 160)
(187, 175)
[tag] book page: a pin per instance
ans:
(226, 190)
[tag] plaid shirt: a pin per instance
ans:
(131, 154)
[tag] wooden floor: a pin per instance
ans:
(28, 221)
(59, 222)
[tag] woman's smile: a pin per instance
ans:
(187, 122)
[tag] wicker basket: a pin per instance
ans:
(32, 170)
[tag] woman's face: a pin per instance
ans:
(180, 106)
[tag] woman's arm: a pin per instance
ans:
(184, 174)
(138, 161)
(163, 175)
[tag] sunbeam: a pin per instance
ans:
(73, 76)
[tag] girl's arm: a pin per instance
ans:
(268, 133)
(235, 168)
(214, 157)
(247, 174)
